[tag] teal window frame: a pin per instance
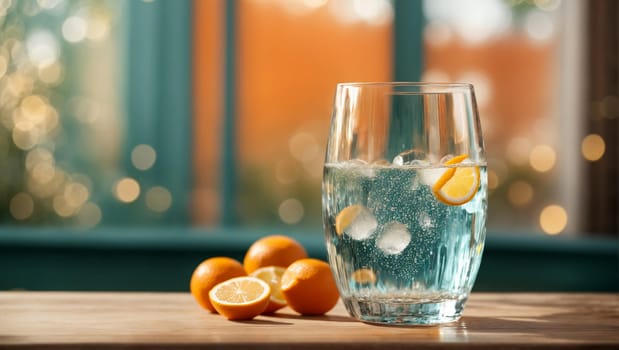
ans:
(157, 90)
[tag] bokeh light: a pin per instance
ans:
(50, 188)
(127, 190)
(62, 207)
(42, 48)
(37, 156)
(304, 146)
(76, 194)
(542, 158)
(539, 25)
(592, 147)
(21, 206)
(43, 172)
(291, 211)
(520, 193)
(89, 215)
(493, 180)
(19, 84)
(158, 199)
(553, 219)
(143, 157)
(25, 136)
(74, 29)
(51, 74)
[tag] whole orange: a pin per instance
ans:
(309, 288)
(273, 250)
(209, 273)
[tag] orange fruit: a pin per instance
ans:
(273, 251)
(364, 276)
(457, 185)
(209, 273)
(272, 275)
(309, 288)
(346, 217)
(240, 298)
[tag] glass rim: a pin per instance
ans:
(439, 85)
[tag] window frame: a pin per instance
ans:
(58, 258)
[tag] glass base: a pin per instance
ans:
(405, 312)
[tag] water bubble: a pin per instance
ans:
(425, 221)
(406, 157)
(415, 183)
(362, 226)
(394, 238)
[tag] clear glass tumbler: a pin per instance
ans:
(404, 199)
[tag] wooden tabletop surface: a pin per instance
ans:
(91, 320)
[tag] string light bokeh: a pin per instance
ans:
(60, 133)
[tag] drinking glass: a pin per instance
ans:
(404, 199)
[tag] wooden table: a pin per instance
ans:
(60, 320)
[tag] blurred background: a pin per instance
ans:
(210, 118)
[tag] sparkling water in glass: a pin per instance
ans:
(404, 199)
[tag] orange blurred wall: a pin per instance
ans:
(287, 67)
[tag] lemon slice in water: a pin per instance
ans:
(457, 185)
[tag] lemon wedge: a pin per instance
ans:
(457, 185)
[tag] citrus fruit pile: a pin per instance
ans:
(276, 272)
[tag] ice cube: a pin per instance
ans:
(429, 176)
(362, 226)
(398, 160)
(394, 238)
(406, 157)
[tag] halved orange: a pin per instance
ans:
(240, 298)
(457, 185)
(273, 276)
(211, 272)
